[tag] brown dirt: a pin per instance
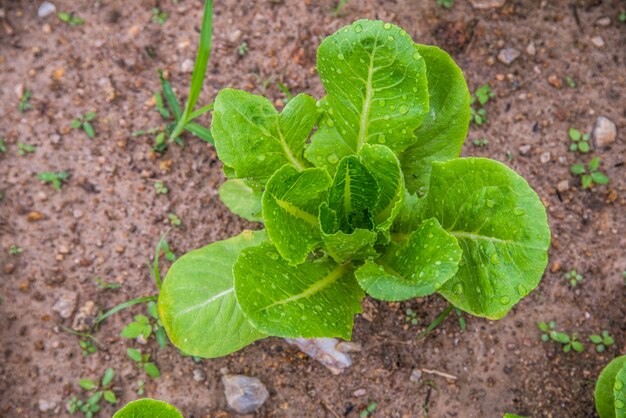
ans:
(108, 217)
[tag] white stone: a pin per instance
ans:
(487, 4)
(46, 8)
(604, 132)
(244, 394)
(544, 157)
(598, 41)
(508, 55)
(65, 304)
(187, 66)
(562, 186)
(530, 49)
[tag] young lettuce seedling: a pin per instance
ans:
(360, 192)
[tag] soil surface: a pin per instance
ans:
(107, 218)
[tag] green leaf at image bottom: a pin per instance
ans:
(314, 299)
(197, 302)
(606, 388)
(501, 226)
(416, 267)
(148, 408)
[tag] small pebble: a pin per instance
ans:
(555, 81)
(187, 66)
(86, 317)
(46, 9)
(508, 55)
(46, 405)
(234, 36)
(77, 213)
(604, 132)
(544, 157)
(199, 375)
(487, 4)
(525, 149)
(244, 394)
(530, 49)
(416, 376)
(8, 268)
(65, 304)
(562, 186)
(603, 21)
(598, 41)
(359, 392)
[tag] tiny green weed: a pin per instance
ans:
(141, 387)
(573, 277)
(55, 178)
(161, 188)
(369, 410)
(480, 142)
(3, 146)
(25, 101)
(142, 361)
(242, 49)
(462, 322)
(591, 175)
(622, 16)
(482, 95)
(97, 391)
(411, 316)
(571, 83)
(24, 148)
(580, 141)
(147, 326)
(174, 220)
(87, 346)
(602, 341)
(445, 3)
(70, 18)
(84, 123)
(159, 16)
(339, 8)
(106, 285)
(569, 343)
(15, 250)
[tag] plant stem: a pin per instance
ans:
(443, 315)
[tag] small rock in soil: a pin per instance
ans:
(46, 405)
(530, 49)
(329, 351)
(487, 4)
(508, 55)
(235, 36)
(187, 66)
(555, 81)
(416, 376)
(544, 157)
(86, 316)
(603, 21)
(8, 268)
(359, 392)
(65, 304)
(604, 132)
(244, 394)
(46, 8)
(525, 149)
(562, 186)
(598, 41)
(198, 375)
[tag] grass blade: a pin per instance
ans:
(202, 59)
(200, 111)
(200, 131)
(124, 306)
(170, 97)
(443, 315)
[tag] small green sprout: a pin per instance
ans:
(573, 277)
(160, 106)
(478, 116)
(174, 220)
(369, 410)
(445, 3)
(482, 95)
(549, 333)
(159, 16)
(571, 83)
(15, 250)
(622, 16)
(242, 49)
(141, 387)
(24, 148)
(3, 146)
(96, 391)
(84, 122)
(56, 178)
(87, 346)
(146, 326)
(462, 322)
(480, 142)
(340, 5)
(70, 18)
(411, 316)
(106, 285)
(602, 341)
(591, 177)
(25, 101)
(580, 142)
(161, 188)
(143, 363)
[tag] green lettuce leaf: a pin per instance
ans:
(243, 197)
(443, 131)
(254, 140)
(619, 393)
(606, 387)
(197, 302)
(290, 208)
(501, 226)
(315, 299)
(148, 408)
(416, 267)
(357, 245)
(375, 79)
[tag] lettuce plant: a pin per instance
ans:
(610, 391)
(360, 192)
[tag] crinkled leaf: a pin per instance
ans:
(314, 299)
(148, 408)
(253, 139)
(375, 81)
(290, 207)
(605, 386)
(416, 267)
(443, 131)
(353, 196)
(410, 214)
(619, 393)
(197, 302)
(243, 197)
(383, 165)
(501, 226)
(354, 246)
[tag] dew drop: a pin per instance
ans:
(318, 158)
(505, 300)
(404, 97)
(618, 385)
(333, 159)
(358, 28)
(387, 26)
(390, 38)
(338, 70)
(490, 203)
(382, 102)
(619, 404)
(340, 56)
(457, 288)
(416, 56)
(386, 117)
(518, 212)
(494, 259)
(273, 256)
(330, 123)
(381, 139)
(403, 109)
(261, 157)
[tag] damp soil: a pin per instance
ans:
(107, 218)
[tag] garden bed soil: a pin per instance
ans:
(107, 219)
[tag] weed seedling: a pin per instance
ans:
(242, 49)
(482, 95)
(480, 142)
(571, 83)
(97, 392)
(87, 346)
(143, 362)
(573, 277)
(146, 326)
(369, 410)
(161, 188)
(622, 16)
(411, 316)
(602, 341)
(159, 16)
(70, 18)
(24, 148)
(84, 123)
(3, 146)
(174, 220)
(106, 285)
(55, 178)
(141, 387)
(25, 101)
(15, 250)
(549, 333)
(580, 142)
(340, 5)
(462, 322)
(592, 176)
(445, 3)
